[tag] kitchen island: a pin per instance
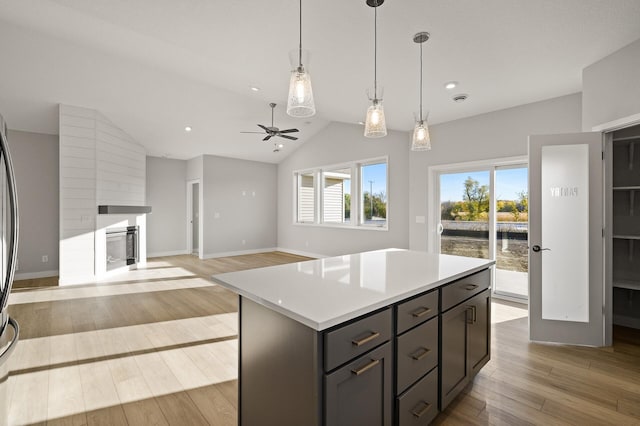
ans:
(376, 338)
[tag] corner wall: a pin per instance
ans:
(611, 88)
(339, 143)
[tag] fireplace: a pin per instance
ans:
(122, 247)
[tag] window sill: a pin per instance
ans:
(350, 227)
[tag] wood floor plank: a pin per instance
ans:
(179, 409)
(110, 416)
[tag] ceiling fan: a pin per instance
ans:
(272, 131)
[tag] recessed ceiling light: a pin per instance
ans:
(188, 129)
(360, 123)
(280, 145)
(254, 88)
(450, 85)
(460, 98)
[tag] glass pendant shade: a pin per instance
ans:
(375, 125)
(421, 141)
(300, 102)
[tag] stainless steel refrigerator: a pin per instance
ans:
(8, 257)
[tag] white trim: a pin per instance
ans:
(618, 124)
(168, 253)
(190, 184)
(301, 253)
(33, 275)
(238, 253)
(337, 226)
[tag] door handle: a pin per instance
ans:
(440, 229)
(537, 248)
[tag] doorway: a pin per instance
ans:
(481, 210)
(193, 216)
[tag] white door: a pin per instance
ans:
(566, 243)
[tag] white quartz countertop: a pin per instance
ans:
(322, 293)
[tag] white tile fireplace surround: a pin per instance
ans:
(100, 165)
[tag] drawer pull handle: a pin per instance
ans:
(421, 412)
(423, 352)
(470, 287)
(359, 371)
(373, 335)
(420, 312)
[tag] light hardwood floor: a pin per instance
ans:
(159, 346)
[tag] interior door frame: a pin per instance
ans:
(608, 128)
(189, 230)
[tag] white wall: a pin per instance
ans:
(493, 135)
(339, 143)
(167, 196)
(239, 206)
(611, 87)
(35, 161)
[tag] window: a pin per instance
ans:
(373, 194)
(336, 196)
(328, 195)
(306, 197)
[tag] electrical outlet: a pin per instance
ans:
(45, 258)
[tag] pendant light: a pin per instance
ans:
(374, 125)
(421, 141)
(300, 102)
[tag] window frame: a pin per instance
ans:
(356, 217)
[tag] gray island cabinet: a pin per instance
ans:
(387, 337)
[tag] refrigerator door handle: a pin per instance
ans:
(13, 215)
(9, 349)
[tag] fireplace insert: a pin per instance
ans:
(122, 247)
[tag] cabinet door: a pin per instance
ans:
(453, 360)
(360, 393)
(478, 332)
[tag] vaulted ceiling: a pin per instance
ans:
(156, 66)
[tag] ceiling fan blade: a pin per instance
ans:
(261, 133)
(289, 131)
(288, 137)
(263, 127)
(267, 138)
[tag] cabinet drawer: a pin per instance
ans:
(416, 311)
(419, 405)
(352, 340)
(417, 353)
(464, 288)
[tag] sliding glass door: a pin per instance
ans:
(483, 213)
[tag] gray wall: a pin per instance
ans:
(493, 135)
(339, 143)
(611, 87)
(167, 196)
(239, 204)
(35, 160)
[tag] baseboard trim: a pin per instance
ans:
(238, 253)
(301, 253)
(33, 275)
(167, 253)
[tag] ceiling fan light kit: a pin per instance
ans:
(420, 140)
(300, 102)
(375, 125)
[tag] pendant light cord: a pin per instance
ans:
(420, 119)
(300, 45)
(375, 51)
